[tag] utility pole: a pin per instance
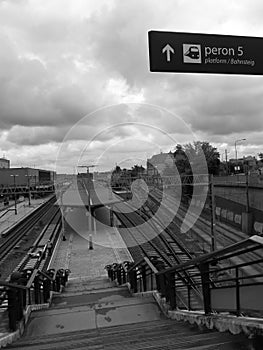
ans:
(236, 150)
(63, 214)
(213, 217)
(29, 192)
(14, 176)
(226, 162)
(247, 191)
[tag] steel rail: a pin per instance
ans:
(17, 233)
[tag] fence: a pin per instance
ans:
(229, 280)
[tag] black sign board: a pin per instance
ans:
(205, 53)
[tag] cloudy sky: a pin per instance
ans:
(75, 85)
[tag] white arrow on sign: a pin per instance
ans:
(168, 50)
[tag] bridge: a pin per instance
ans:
(112, 272)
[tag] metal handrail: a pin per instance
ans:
(145, 276)
(255, 241)
(36, 291)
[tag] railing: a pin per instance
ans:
(24, 290)
(119, 272)
(228, 284)
(41, 187)
(239, 180)
(144, 276)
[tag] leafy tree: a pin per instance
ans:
(117, 169)
(181, 160)
(198, 150)
(260, 156)
(137, 170)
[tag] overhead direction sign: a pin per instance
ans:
(205, 53)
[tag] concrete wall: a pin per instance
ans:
(238, 194)
(231, 204)
(253, 179)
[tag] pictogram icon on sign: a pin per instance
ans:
(192, 53)
(168, 50)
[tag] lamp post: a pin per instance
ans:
(236, 146)
(63, 224)
(63, 215)
(14, 176)
(29, 193)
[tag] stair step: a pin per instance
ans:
(115, 321)
(169, 335)
(91, 297)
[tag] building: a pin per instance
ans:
(158, 162)
(4, 163)
(242, 165)
(24, 176)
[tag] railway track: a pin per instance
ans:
(185, 246)
(20, 239)
(198, 237)
(12, 238)
(38, 256)
(199, 225)
(162, 248)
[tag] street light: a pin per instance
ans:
(15, 192)
(236, 146)
(63, 214)
(29, 193)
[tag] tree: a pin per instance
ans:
(115, 177)
(181, 160)
(260, 156)
(200, 149)
(137, 170)
(117, 169)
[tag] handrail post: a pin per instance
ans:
(189, 296)
(57, 283)
(110, 272)
(151, 280)
(171, 290)
(119, 275)
(36, 290)
(237, 293)
(12, 308)
(158, 286)
(20, 303)
(204, 269)
(133, 280)
(162, 284)
(114, 273)
(46, 289)
(124, 277)
(28, 292)
(143, 272)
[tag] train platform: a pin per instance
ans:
(8, 218)
(93, 312)
(101, 196)
(75, 254)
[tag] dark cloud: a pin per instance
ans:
(62, 61)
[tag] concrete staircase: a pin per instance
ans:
(97, 315)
